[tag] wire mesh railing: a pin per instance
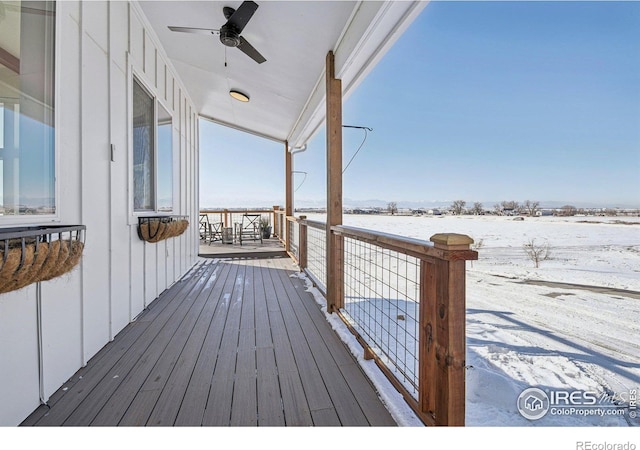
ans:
(404, 299)
(382, 302)
(316, 264)
(293, 235)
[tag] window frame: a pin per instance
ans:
(56, 217)
(136, 76)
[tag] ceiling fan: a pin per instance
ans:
(229, 33)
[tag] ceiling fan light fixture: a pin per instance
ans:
(240, 96)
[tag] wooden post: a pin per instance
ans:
(302, 245)
(226, 218)
(335, 269)
(442, 331)
(288, 195)
(273, 220)
(276, 228)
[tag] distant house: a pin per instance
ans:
(434, 212)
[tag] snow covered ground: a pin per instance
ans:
(572, 325)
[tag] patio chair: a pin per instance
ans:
(249, 229)
(215, 232)
(204, 226)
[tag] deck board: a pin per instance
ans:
(234, 343)
(121, 352)
(194, 403)
(174, 392)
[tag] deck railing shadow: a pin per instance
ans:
(582, 353)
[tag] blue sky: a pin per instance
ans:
(480, 101)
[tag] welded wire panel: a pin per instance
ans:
(317, 256)
(294, 238)
(381, 290)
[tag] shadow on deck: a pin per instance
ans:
(234, 343)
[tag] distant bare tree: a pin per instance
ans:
(611, 212)
(457, 207)
(568, 210)
(510, 205)
(477, 209)
(477, 245)
(531, 207)
(392, 207)
(497, 209)
(537, 252)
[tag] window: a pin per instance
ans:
(143, 149)
(152, 153)
(165, 160)
(27, 158)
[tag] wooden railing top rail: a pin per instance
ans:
(313, 223)
(452, 247)
(236, 211)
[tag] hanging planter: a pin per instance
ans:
(158, 228)
(34, 254)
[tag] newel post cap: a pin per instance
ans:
(451, 241)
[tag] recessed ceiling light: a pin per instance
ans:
(239, 95)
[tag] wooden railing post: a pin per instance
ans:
(273, 221)
(335, 268)
(442, 336)
(302, 245)
(276, 221)
(287, 233)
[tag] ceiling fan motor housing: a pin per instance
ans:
(229, 36)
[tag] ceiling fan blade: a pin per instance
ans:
(241, 16)
(248, 49)
(194, 30)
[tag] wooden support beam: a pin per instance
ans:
(288, 194)
(335, 268)
(288, 177)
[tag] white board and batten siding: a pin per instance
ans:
(100, 46)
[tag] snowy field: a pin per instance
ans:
(573, 324)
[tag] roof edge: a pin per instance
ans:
(372, 31)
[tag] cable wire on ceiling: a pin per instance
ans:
(361, 144)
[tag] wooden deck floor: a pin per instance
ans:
(234, 343)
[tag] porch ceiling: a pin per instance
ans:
(286, 91)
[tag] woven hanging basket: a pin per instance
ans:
(31, 259)
(156, 229)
